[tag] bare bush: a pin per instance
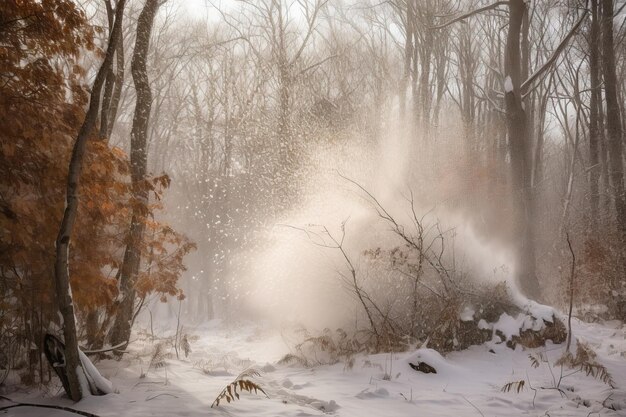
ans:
(414, 292)
(326, 349)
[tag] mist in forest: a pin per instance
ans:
(290, 279)
(354, 108)
(380, 167)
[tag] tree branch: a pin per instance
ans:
(55, 407)
(555, 54)
(471, 13)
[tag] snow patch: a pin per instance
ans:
(96, 380)
(467, 314)
(540, 311)
(268, 368)
(508, 84)
(83, 382)
(473, 375)
(326, 407)
(369, 394)
(508, 325)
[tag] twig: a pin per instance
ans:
(352, 280)
(526, 84)
(93, 352)
(471, 13)
(532, 388)
(158, 395)
(470, 403)
(56, 407)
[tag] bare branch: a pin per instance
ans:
(471, 13)
(555, 54)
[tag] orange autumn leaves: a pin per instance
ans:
(43, 95)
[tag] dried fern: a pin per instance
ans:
(159, 356)
(585, 360)
(329, 348)
(517, 386)
(598, 371)
(324, 343)
(534, 361)
(243, 383)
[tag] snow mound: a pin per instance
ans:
(509, 326)
(95, 381)
(540, 311)
(369, 394)
(467, 314)
(432, 358)
(325, 406)
(268, 368)
(508, 84)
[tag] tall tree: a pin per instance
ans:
(595, 105)
(613, 117)
(73, 365)
(614, 135)
(519, 145)
(113, 83)
(120, 333)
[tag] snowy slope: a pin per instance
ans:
(468, 383)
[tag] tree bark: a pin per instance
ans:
(61, 267)
(117, 89)
(595, 112)
(120, 333)
(109, 83)
(519, 146)
(614, 141)
(613, 116)
(425, 68)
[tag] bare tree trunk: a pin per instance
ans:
(408, 57)
(120, 333)
(117, 90)
(517, 128)
(537, 174)
(109, 83)
(613, 117)
(73, 367)
(614, 140)
(284, 78)
(426, 56)
(467, 71)
(91, 328)
(441, 63)
(595, 112)
(284, 134)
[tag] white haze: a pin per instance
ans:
(293, 280)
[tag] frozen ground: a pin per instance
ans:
(468, 383)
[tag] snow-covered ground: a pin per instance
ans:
(468, 383)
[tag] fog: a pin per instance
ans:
(276, 120)
(291, 279)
